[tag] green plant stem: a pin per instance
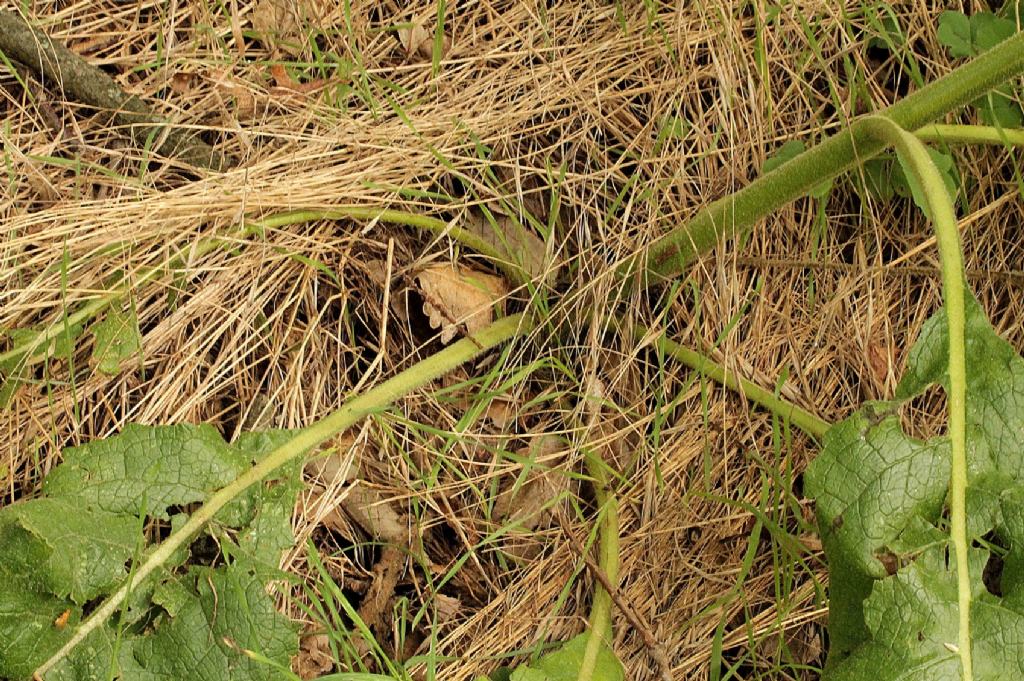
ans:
(784, 409)
(736, 214)
(349, 414)
(971, 134)
(600, 619)
(914, 156)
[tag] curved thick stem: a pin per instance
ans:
(971, 134)
(350, 413)
(916, 161)
(736, 214)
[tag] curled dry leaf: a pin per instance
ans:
(530, 502)
(284, 23)
(182, 82)
(314, 658)
(459, 296)
(879, 364)
(283, 82)
(417, 39)
(513, 240)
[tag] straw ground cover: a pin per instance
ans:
(605, 124)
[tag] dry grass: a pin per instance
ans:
(585, 87)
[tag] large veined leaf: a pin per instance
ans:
(76, 543)
(880, 499)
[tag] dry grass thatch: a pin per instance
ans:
(632, 114)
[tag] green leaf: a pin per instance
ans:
(955, 33)
(970, 36)
(996, 108)
(906, 186)
(787, 152)
(871, 480)
(995, 389)
(117, 339)
(27, 630)
(53, 546)
(144, 470)
(912, 617)
(564, 664)
(220, 614)
(879, 499)
(62, 550)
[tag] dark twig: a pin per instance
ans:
(73, 76)
(638, 621)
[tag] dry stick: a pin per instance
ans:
(88, 84)
(639, 622)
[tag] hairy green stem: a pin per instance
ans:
(798, 416)
(971, 134)
(737, 213)
(349, 414)
(914, 156)
(600, 619)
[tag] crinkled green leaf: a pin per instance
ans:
(221, 614)
(91, 659)
(879, 499)
(27, 630)
(77, 541)
(564, 664)
(912, 618)
(56, 547)
(995, 390)
(871, 480)
(144, 470)
(1011, 581)
(117, 339)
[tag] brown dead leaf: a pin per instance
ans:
(285, 23)
(416, 39)
(314, 658)
(529, 502)
(284, 81)
(501, 412)
(447, 607)
(459, 296)
(375, 515)
(878, 364)
(277, 21)
(514, 241)
(182, 81)
(377, 600)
